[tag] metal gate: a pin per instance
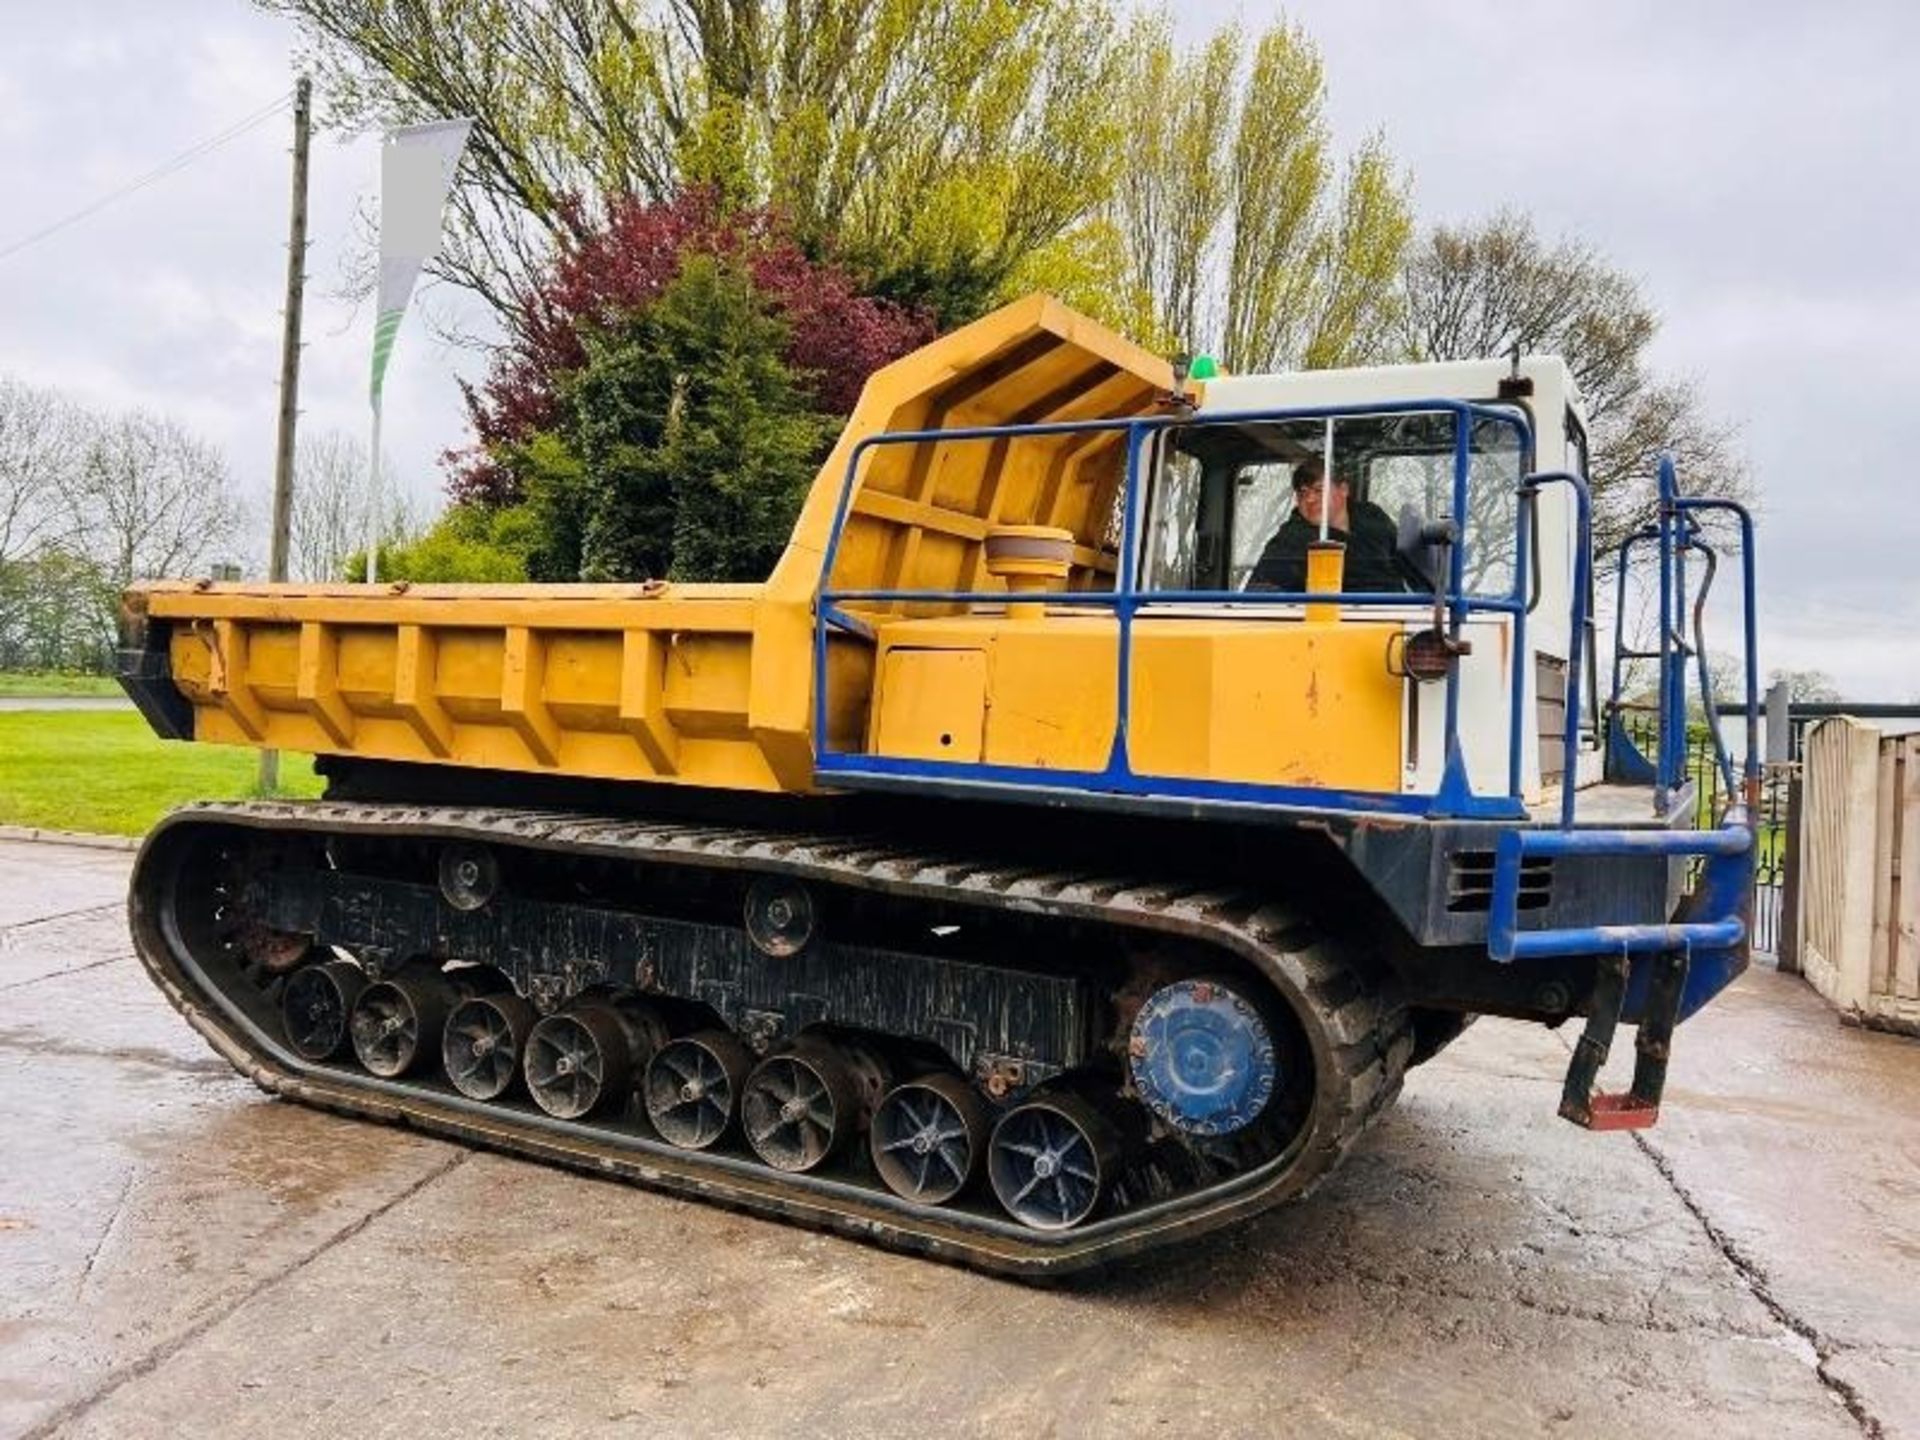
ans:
(1773, 830)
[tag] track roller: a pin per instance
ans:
(779, 916)
(1050, 1161)
(486, 1036)
(316, 1005)
(396, 1024)
(579, 1061)
(928, 1137)
(693, 1085)
(469, 876)
(273, 952)
(872, 1074)
(647, 1030)
(798, 1107)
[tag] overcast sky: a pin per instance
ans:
(1750, 163)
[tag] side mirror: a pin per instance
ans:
(1423, 545)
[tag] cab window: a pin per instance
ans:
(1262, 500)
(1221, 491)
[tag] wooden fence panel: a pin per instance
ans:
(1885, 839)
(1904, 870)
(1859, 857)
(1823, 844)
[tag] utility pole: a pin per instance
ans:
(289, 368)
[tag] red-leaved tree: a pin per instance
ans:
(837, 335)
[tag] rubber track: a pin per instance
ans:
(1362, 1045)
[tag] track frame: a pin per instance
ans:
(1359, 1038)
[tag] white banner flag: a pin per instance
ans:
(416, 173)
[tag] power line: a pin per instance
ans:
(159, 172)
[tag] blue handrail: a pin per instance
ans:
(1676, 531)
(1506, 941)
(1127, 600)
(1750, 765)
(1668, 726)
(1576, 642)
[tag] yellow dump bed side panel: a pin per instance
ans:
(920, 513)
(614, 682)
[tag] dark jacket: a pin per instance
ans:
(1372, 559)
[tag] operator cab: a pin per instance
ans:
(1165, 663)
(1223, 490)
(1220, 488)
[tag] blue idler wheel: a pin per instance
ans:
(1202, 1057)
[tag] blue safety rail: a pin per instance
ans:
(1453, 798)
(1713, 924)
(1506, 941)
(1711, 929)
(1676, 535)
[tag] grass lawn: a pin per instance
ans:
(14, 684)
(106, 772)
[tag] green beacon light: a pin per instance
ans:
(1203, 367)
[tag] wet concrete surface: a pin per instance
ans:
(181, 1254)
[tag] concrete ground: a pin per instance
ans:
(180, 1254)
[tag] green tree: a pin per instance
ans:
(936, 142)
(1815, 686)
(695, 434)
(55, 613)
(1240, 231)
(1480, 289)
(467, 545)
(679, 448)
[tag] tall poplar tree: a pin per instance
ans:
(934, 142)
(1488, 286)
(1241, 231)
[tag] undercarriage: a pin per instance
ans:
(1025, 1070)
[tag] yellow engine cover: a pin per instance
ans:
(1266, 701)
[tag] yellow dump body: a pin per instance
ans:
(708, 685)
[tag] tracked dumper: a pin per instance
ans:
(1032, 871)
